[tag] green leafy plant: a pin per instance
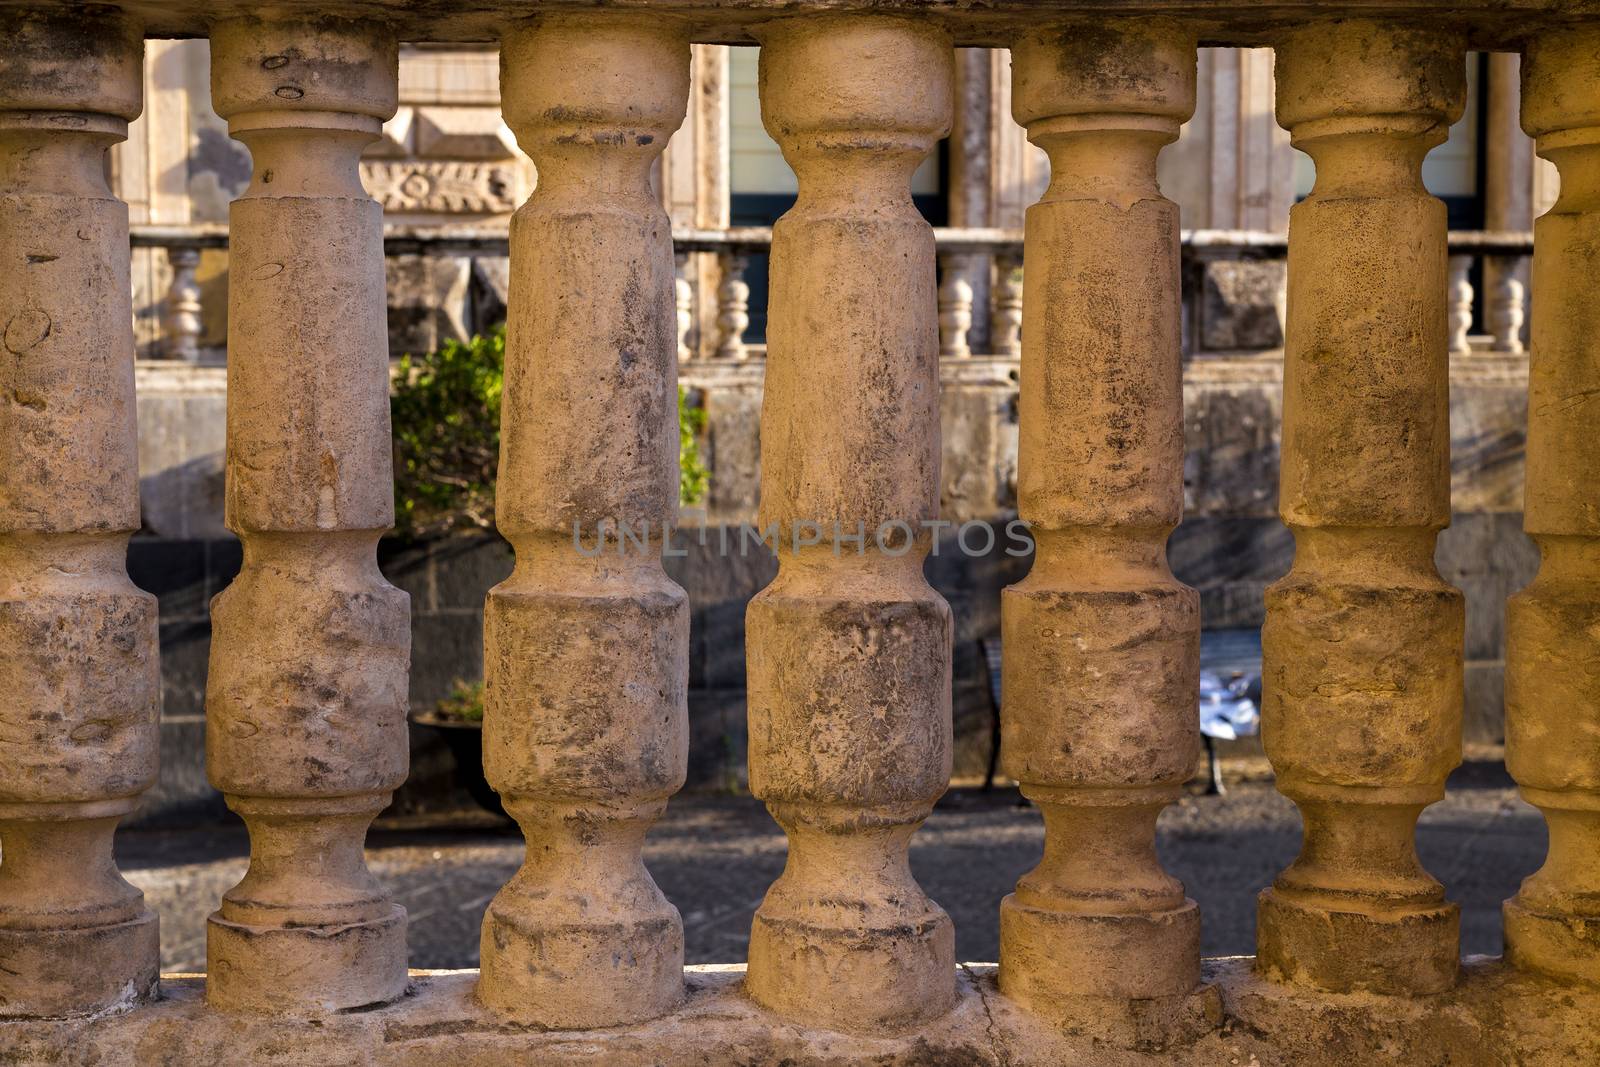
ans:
(464, 704)
(445, 407)
(694, 480)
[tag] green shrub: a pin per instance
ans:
(445, 408)
(446, 414)
(464, 704)
(693, 477)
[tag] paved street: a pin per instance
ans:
(715, 855)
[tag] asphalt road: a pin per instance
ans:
(714, 857)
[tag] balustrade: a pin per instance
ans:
(683, 301)
(586, 655)
(849, 647)
(1102, 643)
(849, 652)
(1506, 308)
(1005, 329)
(78, 661)
(310, 647)
(955, 308)
(181, 310)
(733, 306)
(996, 250)
(1552, 925)
(1362, 648)
(1460, 303)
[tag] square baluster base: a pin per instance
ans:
(1413, 952)
(857, 980)
(305, 970)
(1558, 946)
(84, 971)
(573, 976)
(1060, 963)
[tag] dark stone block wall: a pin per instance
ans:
(1230, 547)
(1229, 560)
(184, 576)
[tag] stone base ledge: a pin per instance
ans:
(1494, 1016)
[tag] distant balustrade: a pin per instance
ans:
(1495, 324)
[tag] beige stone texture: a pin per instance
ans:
(78, 662)
(1495, 1016)
(1362, 647)
(849, 652)
(586, 655)
(306, 694)
(1552, 925)
(1102, 643)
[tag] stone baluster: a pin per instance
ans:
(1005, 330)
(310, 648)
(1460, 304)
(1552, 925)
(955, 307)
(1506, 307)
(849, 651)
(78, 661)
(1102, 643)
(181, 309)
(585, 704)
(683, 303)
(1363, 640)
(733, 306)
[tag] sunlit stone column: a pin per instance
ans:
(586, 656)
(306, 699)
(849, 650)
(1552, 925)
(79, 681)
(1102, 643)
(1363, 641)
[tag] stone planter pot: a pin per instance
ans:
(465, 741)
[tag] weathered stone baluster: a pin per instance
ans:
(1506, 310)
(78, 664)
(180, 311)
(586, 720)
(1102, 642)
(733, 306)
(1552, 925)
(306, 699)
(1363, 640)
(683, 305)
(955, 307)
(1460, 302)
(1005, 319)
(849, 652)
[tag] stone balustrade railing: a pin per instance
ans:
(996, 252)
(849, 650)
